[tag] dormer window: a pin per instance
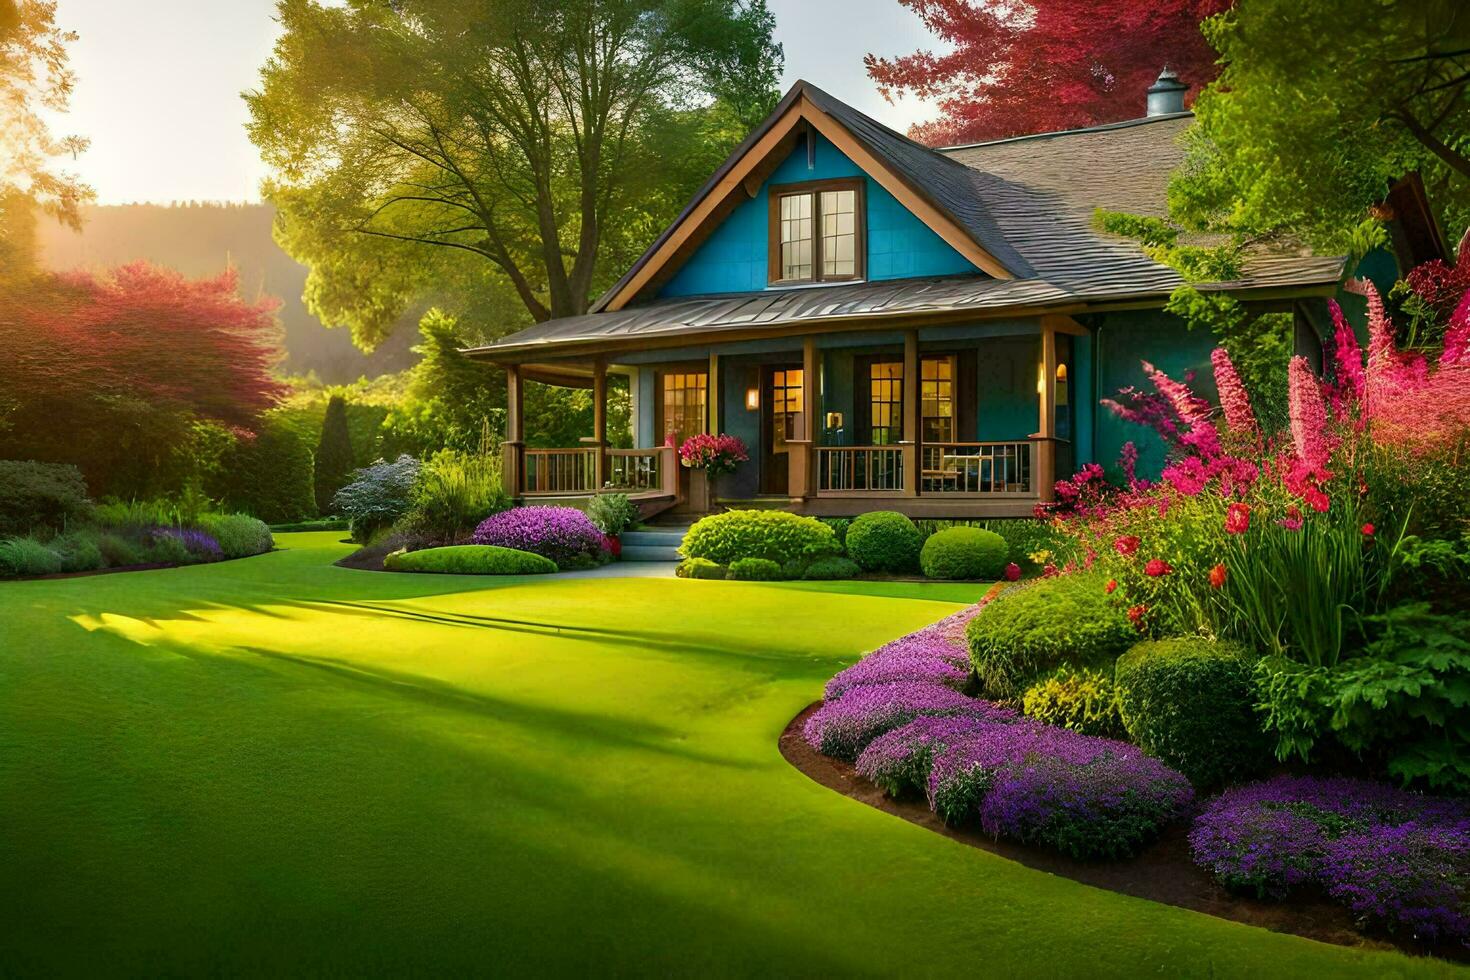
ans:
(816, 232)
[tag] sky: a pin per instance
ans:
(159, 83)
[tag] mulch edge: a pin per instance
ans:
(1163, 872)
(146, 567)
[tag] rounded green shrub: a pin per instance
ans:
(120, 550)
(775, 535)
(613, 513)
(1189, 702)
(79, 551)
(27, 556)
(470, 559)
(1081, 699)
(1029, 631)
(964, 552)
(884, 541)
(239, 535)
(700, 568)
(832, 568)
(755, 570)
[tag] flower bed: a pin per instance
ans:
(563, 534)
(1390, 856)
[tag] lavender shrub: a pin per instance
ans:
(936, 654)
(898, 762)
(1389, 855)
(564, 534)
(844, 727)
(199, 545)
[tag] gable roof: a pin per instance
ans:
(1028, 202)
(936, 189)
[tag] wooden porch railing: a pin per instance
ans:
(558, 472)
(865, 469)
(977, 467)
(588, 470)
(634, 470)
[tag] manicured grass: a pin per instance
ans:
(278, 766)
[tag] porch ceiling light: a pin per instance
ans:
(752, 399)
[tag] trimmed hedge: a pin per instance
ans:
(700, 568)
(831, 569)
(771, 534)
(755, 570)
(1024, 634)
(1189, 701)
(239, 535)
(964, 553)
(1082, 700)
(470, 559)
(884, 541)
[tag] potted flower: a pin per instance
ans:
(709, 457)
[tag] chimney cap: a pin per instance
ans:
(1167, 81)
(1166, 95)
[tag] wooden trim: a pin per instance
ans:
(514, 405)
(1061, 323)
(734, 181)
(1047, 397)
(815, 188)
(712, 396)
(911, 413)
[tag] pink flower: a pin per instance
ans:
(1157, 567)
(1193, 411)
(1126, 544)
(1049, 571)
(1013, 572)
(1316, 499)
(1349, 360)
(1188, 476)
(1308, 417)
(1237, 518)
(1217, 577)
(1111, 587)
(1234, 399)
(1293, 519)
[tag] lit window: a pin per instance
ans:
(937, 394)
(885, 402)
(839, 234)
(684, 398)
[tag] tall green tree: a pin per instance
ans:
(494, 141)
(34, 79)
(1320, 106)
(333, 462)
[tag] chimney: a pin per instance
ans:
(1166, 95)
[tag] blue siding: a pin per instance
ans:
(733, 259)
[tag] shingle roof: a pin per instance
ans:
(1028, 201)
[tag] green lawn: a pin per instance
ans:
(276, 765)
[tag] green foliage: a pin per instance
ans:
(1405, 699)
(831, 568)
(884, 541)
(754, 570)
(40, 496)
(700, 568)
(27, 556)
(1031, 630)
(1026, 537)
(120, 550)
(1083, 700)
(79, 550)
(333, 462)
(269, 476)
(239, 535)
(136, 515)
(452, 494)
(839, 526)
(1320, 106)
(470, 559)
(773, 534)
(321, 524)
(1189, 702)
(378, 496)
(613, 513)
(964, 553)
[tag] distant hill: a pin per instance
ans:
(200, 240)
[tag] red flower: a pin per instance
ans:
(1368, 530)
(1157, 567)
(1049, 571)
(1293, 519)
(1126, 544)
(1111, 587)
(1135, 616)
(1217, 577)
(1316, 498)
(1237, 518)
(1013, 572)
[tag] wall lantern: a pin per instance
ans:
(834, 420)
(752, 399)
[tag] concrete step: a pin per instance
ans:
(660, 538)
(645, 552)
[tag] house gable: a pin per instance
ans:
(735, 256)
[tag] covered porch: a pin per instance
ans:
(944, 421)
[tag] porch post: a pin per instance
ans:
(1045, 460)
(712, 395)
(599, 423)
(912, 428)
(515, 436)
(803, 449)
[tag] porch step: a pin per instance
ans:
(653, 545)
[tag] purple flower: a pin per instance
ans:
(899, 761)
(1387, 854)
(563, 534)
(199, 544)
(844, 727)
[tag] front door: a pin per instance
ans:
(781, 407)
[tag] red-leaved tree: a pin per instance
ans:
(110, 371)
(1033, 67)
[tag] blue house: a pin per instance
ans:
(885, 324)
